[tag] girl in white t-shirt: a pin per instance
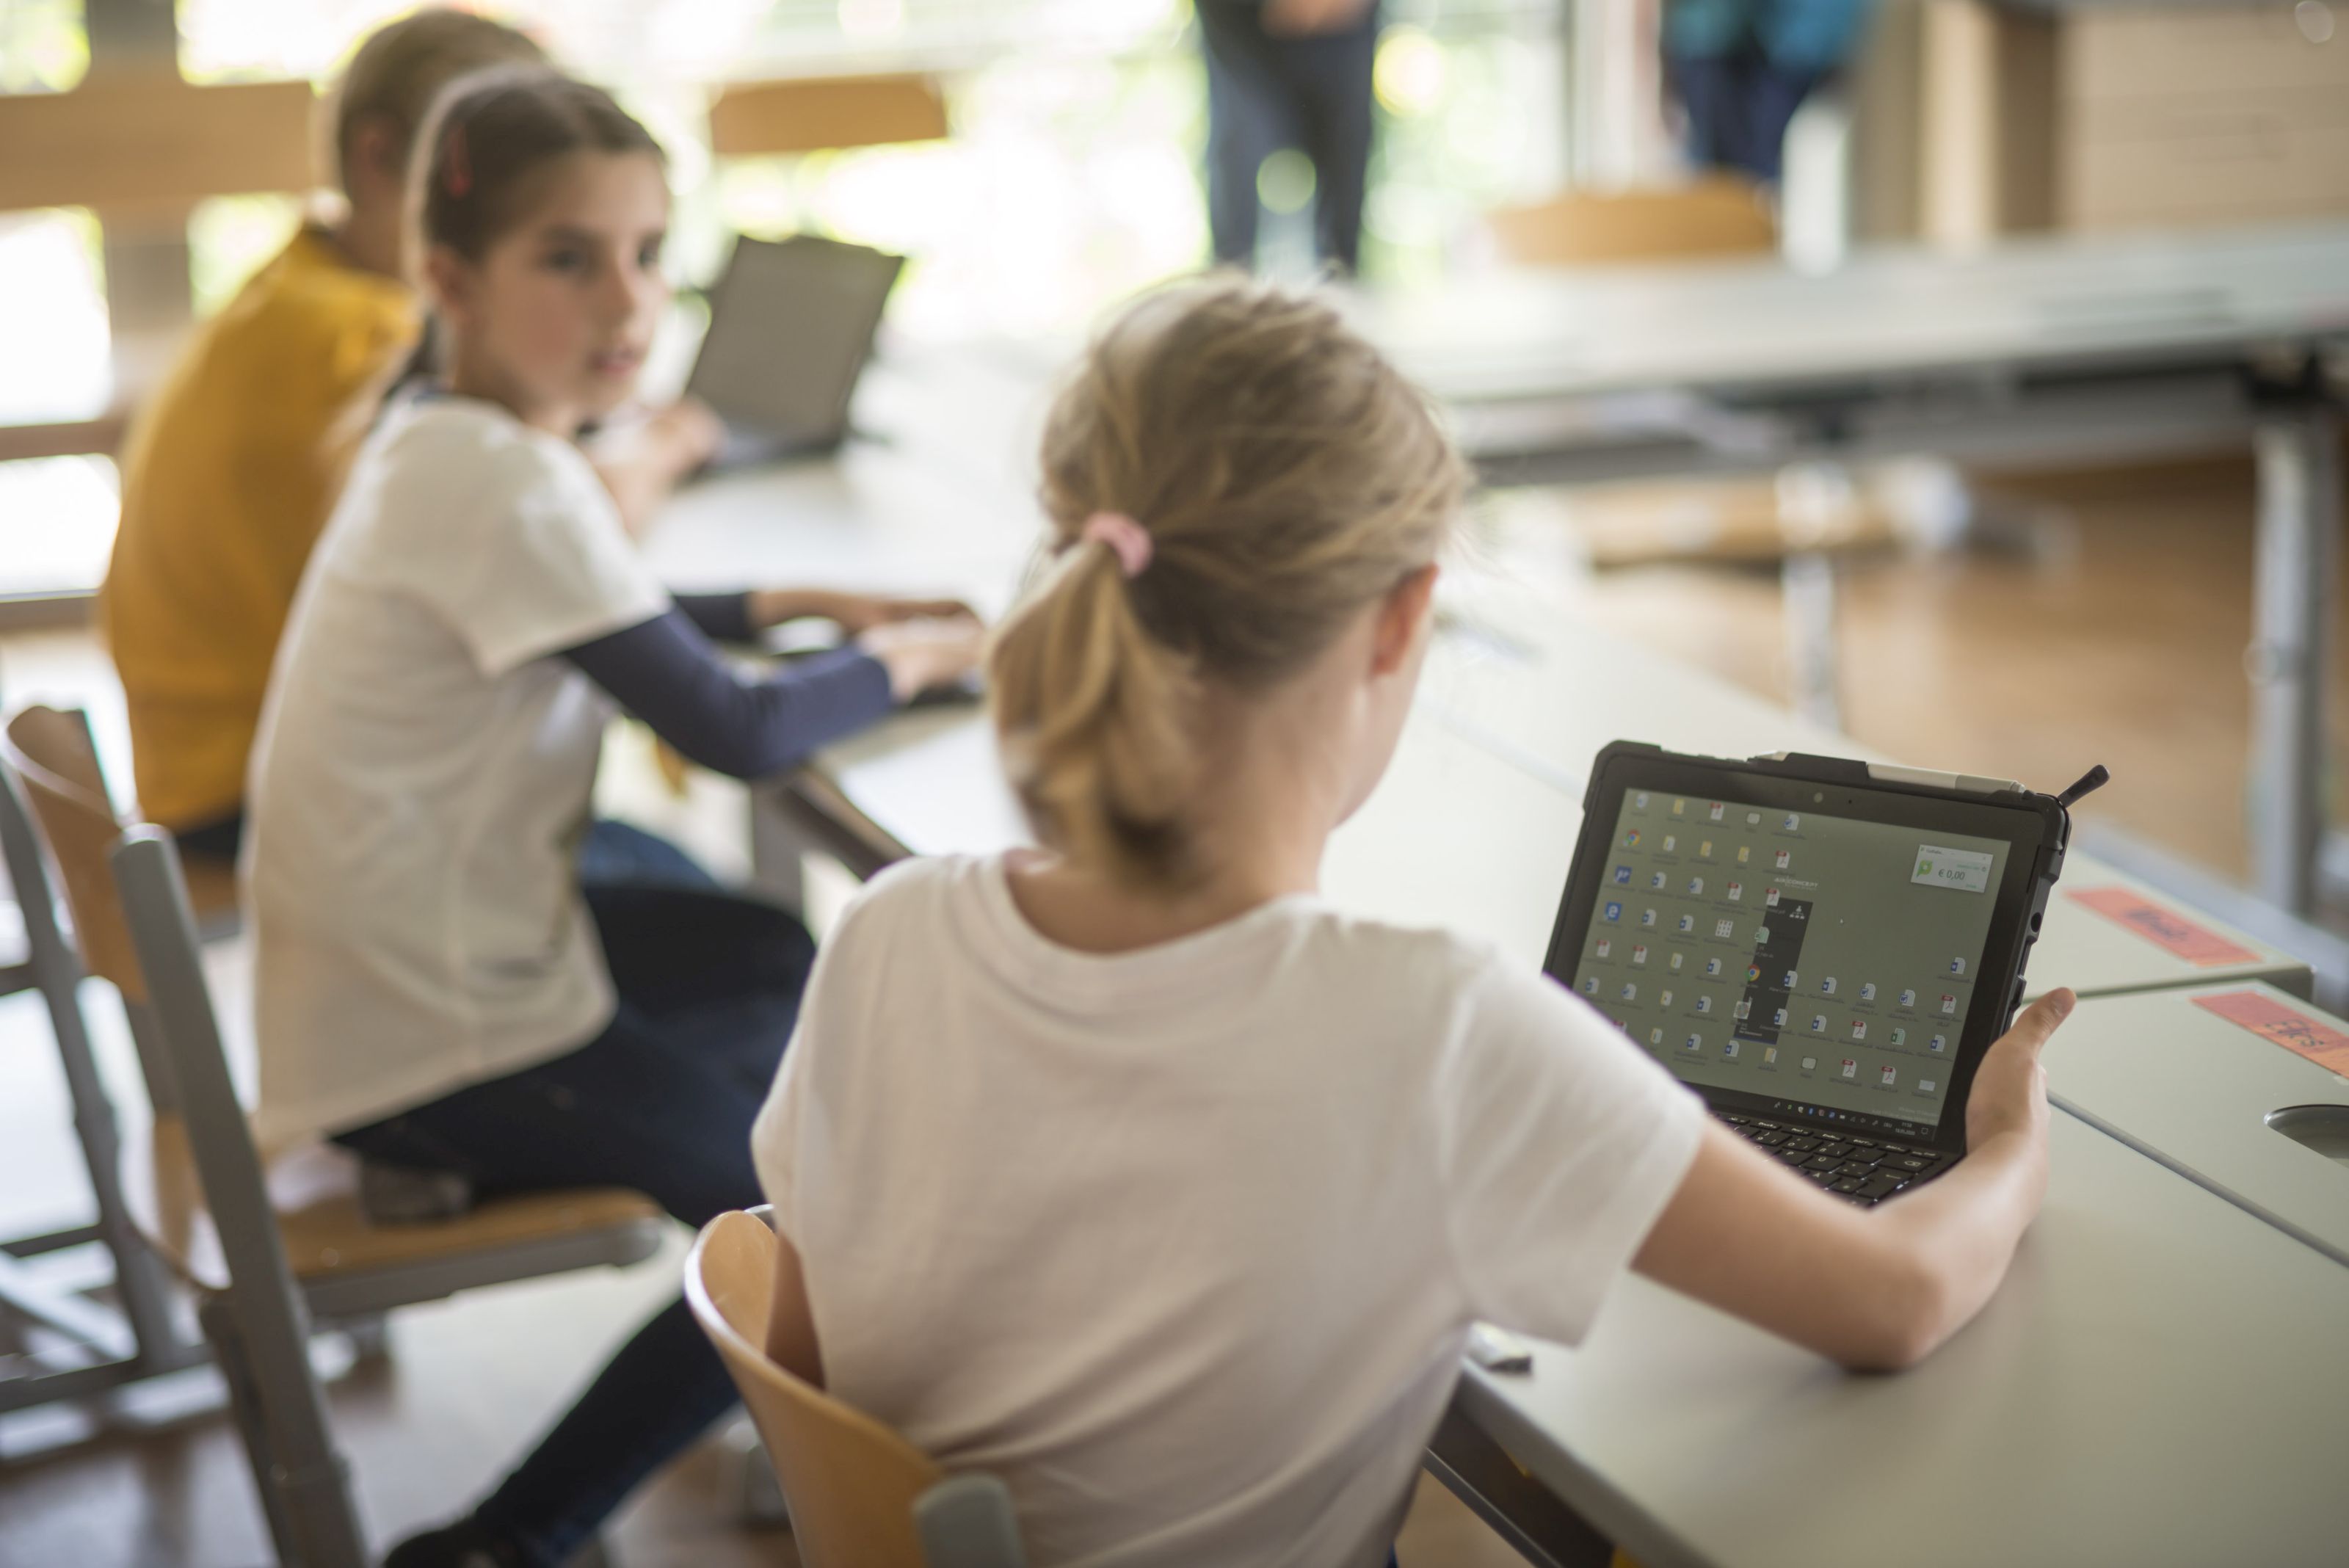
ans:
(1133, 1172)
(435, 988)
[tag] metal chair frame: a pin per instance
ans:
(101, 1345)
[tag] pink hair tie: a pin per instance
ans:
(456, 168)
(1127, 540)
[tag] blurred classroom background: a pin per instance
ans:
(172, 157)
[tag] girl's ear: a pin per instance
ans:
(1401, 615)
(377, 164)
(448, 285)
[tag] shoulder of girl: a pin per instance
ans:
(476, 444)
(443, 467)
(918, 879)
(1420, 951)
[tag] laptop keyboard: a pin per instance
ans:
(1866, 1172)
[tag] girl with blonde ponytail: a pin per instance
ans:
(1129, 1169)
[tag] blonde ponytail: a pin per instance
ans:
(1286, 477)
(1095, 718)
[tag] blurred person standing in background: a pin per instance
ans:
(1289, 74)
(1742, 67)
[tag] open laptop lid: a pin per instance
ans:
(1807, 937)
(790, 324)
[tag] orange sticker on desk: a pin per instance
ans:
(2165, 929)
(2288, 1027)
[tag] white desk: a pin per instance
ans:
(2158, 1383)
(2065, 347)
(2194, 1089)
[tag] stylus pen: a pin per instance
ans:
(2095, 779)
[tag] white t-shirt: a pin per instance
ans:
(1184, 1243)
(423, 772)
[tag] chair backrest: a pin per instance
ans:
(52, 756)
(1713, 215)
(852, 1483)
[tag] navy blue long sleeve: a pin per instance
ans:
(667, 673)
(723, 617)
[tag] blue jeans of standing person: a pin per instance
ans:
(1738, 108)
(1265, 93)
(662, 1101)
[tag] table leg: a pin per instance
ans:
(2299, 458)
(1807, 587)
(1520, 1509)
(777, 844)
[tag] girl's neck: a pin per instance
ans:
(1263, 823)
(1076, 906)
(470, 375)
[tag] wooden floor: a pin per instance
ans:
(2125, 648)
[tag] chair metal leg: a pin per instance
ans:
(154, 1060)
(762, 1493)
(244, 1405)
(370, 1336)
(306, 1495)
(306, 1485)
(271, 1328)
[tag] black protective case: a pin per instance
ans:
(2037, 824)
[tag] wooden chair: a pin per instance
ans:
(811, 114)
(1713, 215)
(267, 1255)
(860, 1495)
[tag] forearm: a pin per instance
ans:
(665, 673)
(721, 617)
(773, 606)
(741, 614)
(1872, 1290)
(1960, 1231)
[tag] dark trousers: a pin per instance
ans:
(1738, 107)
(662, 1101)
(1265, 93)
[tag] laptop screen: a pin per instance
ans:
(1822, 961)
(790, 324)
